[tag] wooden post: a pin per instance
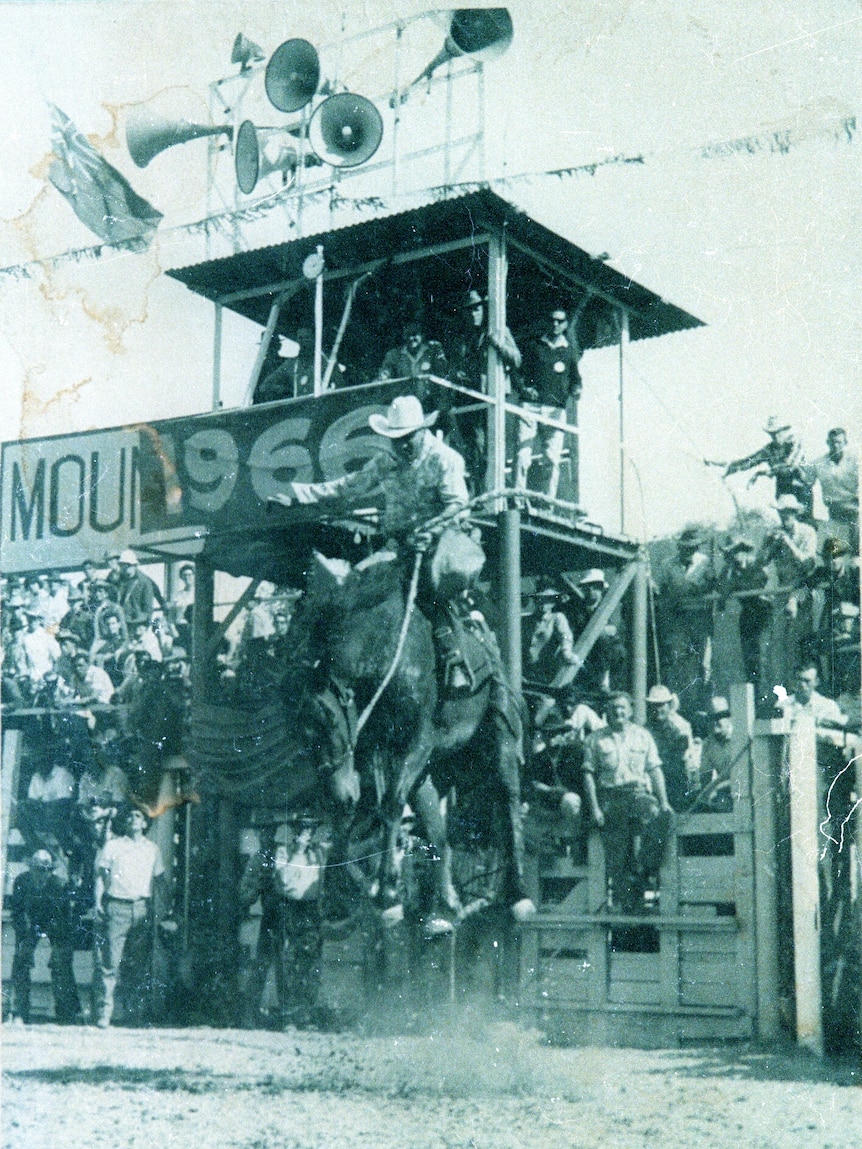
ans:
(202, 619)
(744, 876)
(804, 843)
(639, 640)
(260, 358)
(510, 593)
(764, 789)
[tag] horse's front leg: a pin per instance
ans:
(432, 812)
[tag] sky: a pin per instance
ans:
(759, 240)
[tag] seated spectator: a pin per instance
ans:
(40, 650)
(142, 637)
(102, 608)
(67, 641)
(36, 594)
(138, 669)
(715, 760)
(110, 652)
(57, 601)
(46, 812)
(557, 762)
(79, 619)
(673, 737)
(85, 586)
(91, 684)
(104, 783)
(41, 908)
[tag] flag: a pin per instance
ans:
(100, 196)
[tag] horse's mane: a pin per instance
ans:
(334, 594)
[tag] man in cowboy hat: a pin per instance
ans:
(673, 737)
(606, 661)
(744, 573)
(716, 762)
(138, 594)
(781, 459)
(469, 366)
(792, 549)
(421, 478)
(686, 613)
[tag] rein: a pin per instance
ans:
(399, 649)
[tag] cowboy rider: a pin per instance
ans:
(422, 478)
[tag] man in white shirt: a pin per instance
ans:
(829, 719)
(838, 474)
(90, 683)
(127, 869)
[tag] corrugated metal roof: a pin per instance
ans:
(428, 221)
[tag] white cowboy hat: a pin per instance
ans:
(659, 694)
(128, 558)
(404, 416)
(774, 424)
(788, 503)
(594, 577)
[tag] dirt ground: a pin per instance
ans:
(467, 1082)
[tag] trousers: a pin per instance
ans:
(124, 940)
(634, 836)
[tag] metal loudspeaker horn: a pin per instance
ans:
(261, 151)
(147, 135)
(482, 33)
(292, 75)
(345, 130)
(246, 53)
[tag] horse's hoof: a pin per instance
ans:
(523, 910)
(438, 927)
(392, 915)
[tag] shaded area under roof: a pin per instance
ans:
(533, 248)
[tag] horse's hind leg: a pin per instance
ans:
(509, 819)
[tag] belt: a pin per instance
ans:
(127, 901)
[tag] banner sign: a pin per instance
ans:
(72, 497)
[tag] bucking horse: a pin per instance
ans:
(384, 731)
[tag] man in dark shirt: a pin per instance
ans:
(294, 376)
(550, 377)
(40, 908)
